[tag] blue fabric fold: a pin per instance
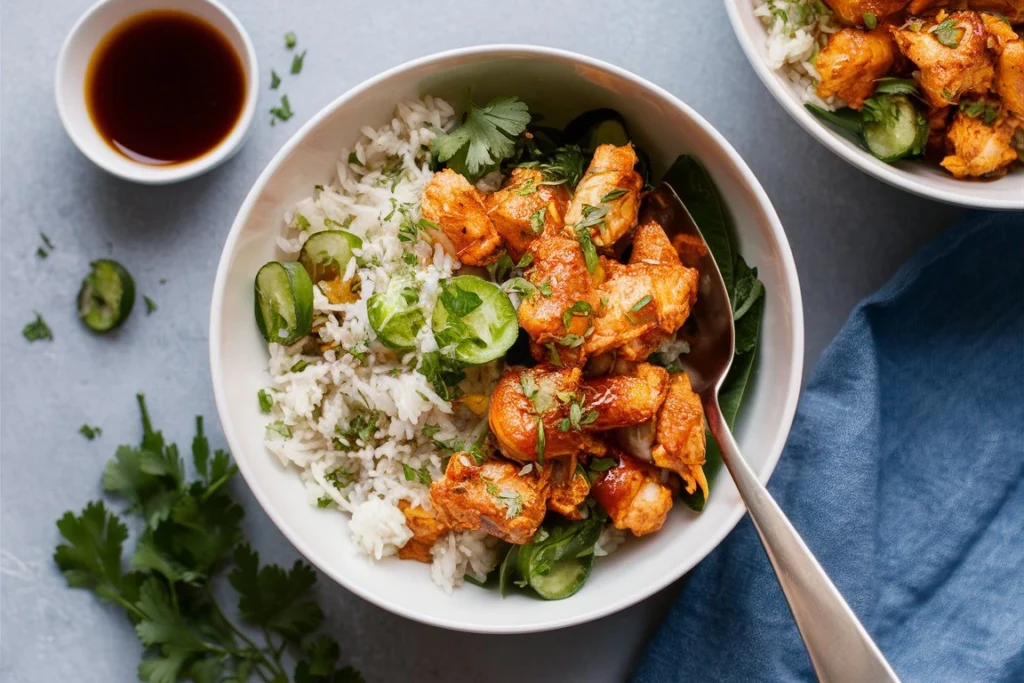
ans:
(904, 472)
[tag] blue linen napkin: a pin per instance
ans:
(904, 472)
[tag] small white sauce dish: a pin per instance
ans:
(71, 83)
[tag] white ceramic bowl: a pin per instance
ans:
(72, 67)
(558, 84)
(920, 177)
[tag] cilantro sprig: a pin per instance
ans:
(191, 537)
(484, 138)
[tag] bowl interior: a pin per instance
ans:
(73, 67)
(920, 177)
(557, 85)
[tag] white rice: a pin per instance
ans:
(796, 31)
(361, 380)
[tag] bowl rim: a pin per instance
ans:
(172, 173)
(795, 322)
(861, 159)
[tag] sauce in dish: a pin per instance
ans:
(165, 88)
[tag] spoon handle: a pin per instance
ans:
(839, 647)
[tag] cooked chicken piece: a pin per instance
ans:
(624, 400)
(1009, 48)
(852, 61)
(947, 73)
(919, 6)
(690, 248)
(611, 184)
(569, 488)
(938, 120)
(679, 434)
(524, 400)
(560, 274)
(513, 208)
(633, 495)
(425, 531)
(653, 293)
(457, 208)
(851, 12)
(976, 149)
(491, 497)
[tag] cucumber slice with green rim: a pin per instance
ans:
(476, 318)
(900, 137)
(565, 578)
(106, 297)
(597, 127)
(507, 571)
(395, 315)
(284, 302)
(325, 255)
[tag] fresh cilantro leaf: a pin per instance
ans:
(150, 305)
(587, 246)
(484, 138)
(459, 302)
(274, 599)
(91, 558)
(581, 309)
(948, 33)
(519, 285)
(299, 366)
(412, 474)
(526, 188)
(601, 464)
(290, 40)
(563, 166)
(275, 80)
(542, 440)
(297, 62)
(37, 330)
(280, 428)
(613, 195)
(430, 431)
(537, 220)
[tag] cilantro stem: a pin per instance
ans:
(255, 651)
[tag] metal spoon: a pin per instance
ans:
(839, 647)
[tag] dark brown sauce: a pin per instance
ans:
(165, 87)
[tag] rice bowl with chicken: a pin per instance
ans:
(475, 334)
(941, 80)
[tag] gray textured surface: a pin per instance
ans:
(848, 232)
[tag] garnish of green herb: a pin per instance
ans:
(542, 441)
(290, 40)
(266, 400)
(150, 304)
(37, 330)
(275, 80)
(870, 21)
(89, 432)
(980, 109)
(191, 537)
(577, 419)
(519, 285)
(948, 33)
(587, 246)
(484, 138)
(280, 428)
(526, 188)
(44, 251)
(283, 112)
(412, 474)
(637, 307)
(512, 500)
(613, 195)
(297, 62)
(299, 366)
(581, 309)
(537, 220)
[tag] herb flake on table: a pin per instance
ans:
(282, 112)
(37, 330)
(150, 305)
(275, 80)
(290, 41)
(89, 432)
(297, 62)
(190, 538)
(46, 248)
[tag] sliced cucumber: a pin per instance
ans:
(395, 315)
(107, 296)
(597, 127)
(565, 578)
(284, 302)
(898, 137)
(325, 255)
(476, 318)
